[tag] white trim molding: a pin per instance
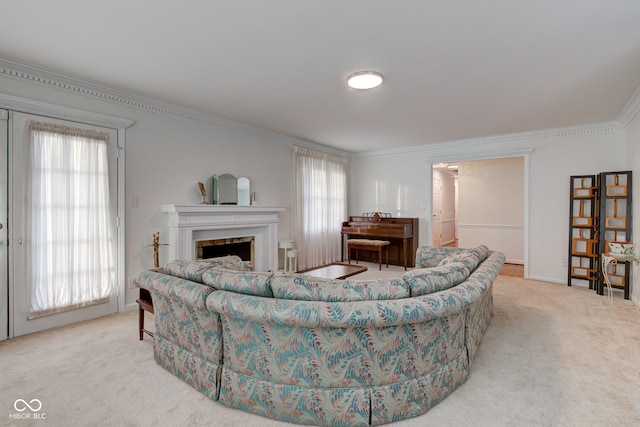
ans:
(631, 110)
(498, 140)
(81, 87)
(29, 106)
(40, 76)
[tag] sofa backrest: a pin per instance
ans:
(243, 282)
(432, 256)
(309, 288)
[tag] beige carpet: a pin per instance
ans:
(552, 356)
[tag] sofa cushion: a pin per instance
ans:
(467, 257)
(309, 288)
(243, 282)
(425, 281)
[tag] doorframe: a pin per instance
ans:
(454, 158)
(4, 232)
(30, 106)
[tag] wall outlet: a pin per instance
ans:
(564, 262)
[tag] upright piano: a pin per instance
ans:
(402, 233)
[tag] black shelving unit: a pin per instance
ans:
(615, 225)
(584, 233)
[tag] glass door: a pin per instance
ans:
(63, 222)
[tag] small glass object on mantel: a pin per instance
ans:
(244, 191)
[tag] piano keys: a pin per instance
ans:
(402, 233)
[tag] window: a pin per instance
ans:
(319, 202)
(70, 262)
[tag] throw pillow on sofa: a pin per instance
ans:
(243, 282)
(431, 256)
(232, 262)
(425, 281)
(467, 257)
(310, 288)
(481, 252)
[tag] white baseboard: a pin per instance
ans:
(547, 279)
(132, 306)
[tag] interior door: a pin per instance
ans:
(4, 287)
(22, 322)
(437, 211)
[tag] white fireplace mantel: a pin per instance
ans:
(188, 224)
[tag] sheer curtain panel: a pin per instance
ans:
(70, 262)
(319, 206)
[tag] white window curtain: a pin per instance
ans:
(319, 206)
(70, 260)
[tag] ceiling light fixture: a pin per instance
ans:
(364, 80)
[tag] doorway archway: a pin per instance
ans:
(493, 225)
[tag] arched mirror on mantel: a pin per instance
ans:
(225, 189)
(244, 191)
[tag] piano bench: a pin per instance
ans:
(369, 245)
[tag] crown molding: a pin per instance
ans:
(48, 78)
(516, 138)
(52, 79)
(43, 108)
(631, 110)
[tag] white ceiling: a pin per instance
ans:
(454, 69)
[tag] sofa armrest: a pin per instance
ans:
(173, 288)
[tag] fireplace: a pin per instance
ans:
(240, 246)
(189, 224)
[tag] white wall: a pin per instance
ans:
(491, 197)
(165, 159)
(400, 183)
(396, 184)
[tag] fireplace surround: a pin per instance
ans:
(189, 224)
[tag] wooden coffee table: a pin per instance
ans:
(338, 270)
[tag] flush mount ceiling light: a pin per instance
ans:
(364, 80)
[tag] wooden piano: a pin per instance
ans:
(401, 232)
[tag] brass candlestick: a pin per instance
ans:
(156, 245)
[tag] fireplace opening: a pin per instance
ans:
(240, 246)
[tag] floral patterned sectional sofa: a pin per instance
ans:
(324, 352)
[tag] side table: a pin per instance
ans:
(144, 304)
(610, 258)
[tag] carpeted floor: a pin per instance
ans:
(553, 356)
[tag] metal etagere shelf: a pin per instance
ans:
(615, 226)
(600, 213)
(584, 230)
